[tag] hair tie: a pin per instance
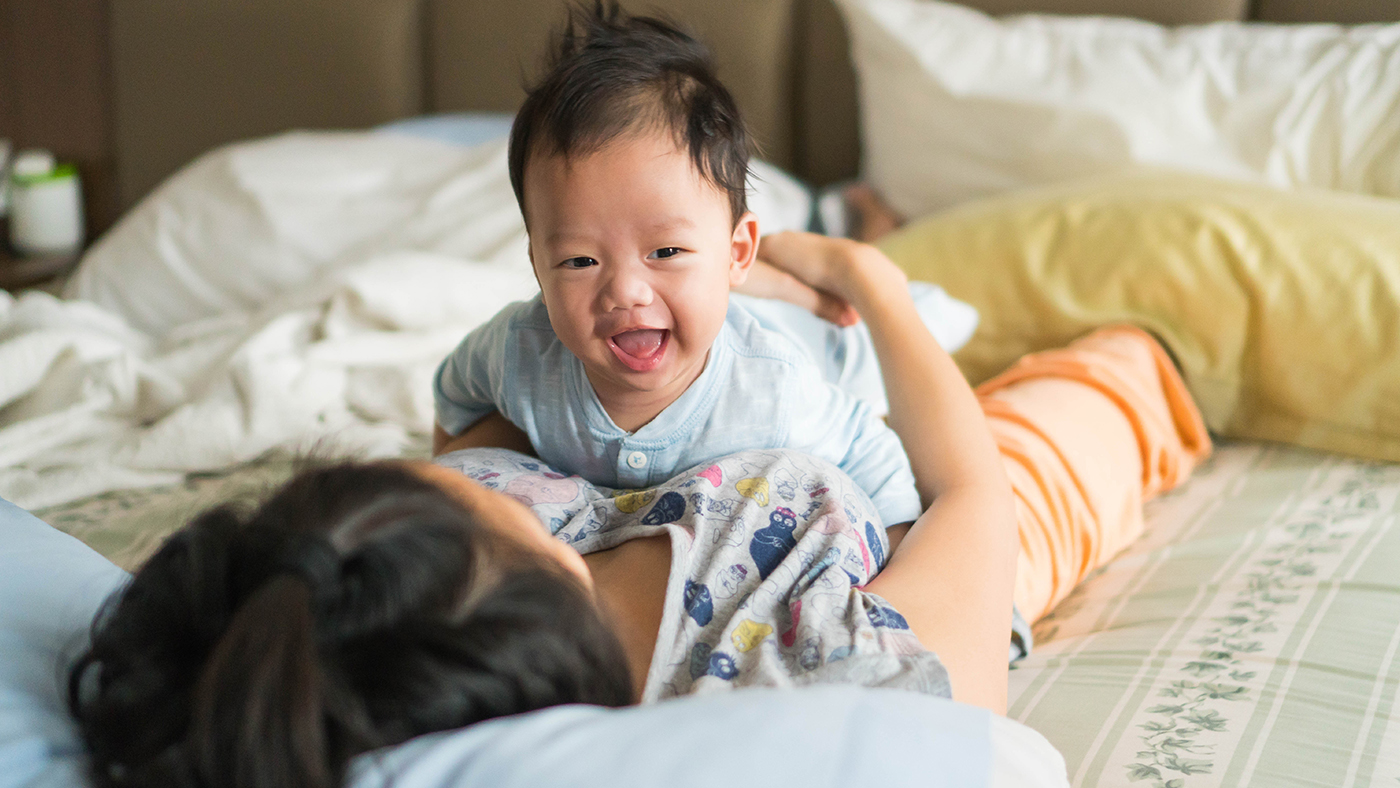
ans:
(313, 559)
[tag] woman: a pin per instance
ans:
(366, 604)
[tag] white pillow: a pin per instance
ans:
(246, 223)
(956, 104)
(252, 221)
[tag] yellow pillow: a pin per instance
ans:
(1282, 308)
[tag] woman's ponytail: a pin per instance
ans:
(347, 613)
(256, 711)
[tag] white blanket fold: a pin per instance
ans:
(89, 404)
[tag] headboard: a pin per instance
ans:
(131, 90)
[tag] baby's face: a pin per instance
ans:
(635, 254)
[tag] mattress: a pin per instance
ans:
(1249, 638)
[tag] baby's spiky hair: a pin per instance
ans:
(611, 74)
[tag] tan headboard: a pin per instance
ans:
(133, 89)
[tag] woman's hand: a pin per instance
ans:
(853, 275)
(766, 281)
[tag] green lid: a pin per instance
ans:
(58, 173)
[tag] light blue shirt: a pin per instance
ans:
(759, 389)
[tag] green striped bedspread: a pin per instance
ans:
(1249, 638)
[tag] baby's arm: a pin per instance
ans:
(465, 392)
(953, 574)
(492, 431)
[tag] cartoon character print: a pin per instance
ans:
(857, 563)
(725, 518)
(593, 521)
(699, 659)
(722, 666)
(749, 634)
(722, 507)
(830, 558)
(789, 635)
(832, 522)
(785, 484)
(539, 490)
(840, 652)
(714, 475)
(852, 508)
(699, 605)
(875, 538)
(883, 616)
(731, 580)
(705, 661)
(670, 508)
(771, 544)
(629, 501)
(755, 488)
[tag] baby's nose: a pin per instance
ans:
(627, 286)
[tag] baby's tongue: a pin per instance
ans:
(642, 343)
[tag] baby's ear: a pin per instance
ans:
(743, 249)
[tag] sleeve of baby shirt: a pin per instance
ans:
(466, 382)
(832, 424)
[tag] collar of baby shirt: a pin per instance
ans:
(673, 424)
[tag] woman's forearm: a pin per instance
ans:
(953, 574)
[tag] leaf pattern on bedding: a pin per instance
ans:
(1183, 731)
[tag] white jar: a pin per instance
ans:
(46, 212)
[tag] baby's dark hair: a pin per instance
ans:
(610, 74)
(358, 607)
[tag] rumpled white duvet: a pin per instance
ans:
(292, 293)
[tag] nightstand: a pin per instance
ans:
(37, 271)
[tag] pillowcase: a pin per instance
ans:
(956, 104)
(1281, 308)
(51, 585)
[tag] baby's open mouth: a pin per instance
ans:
(640, 349)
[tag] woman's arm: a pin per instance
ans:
(953, 573)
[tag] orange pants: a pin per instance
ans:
(1088, 433)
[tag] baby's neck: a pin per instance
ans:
(631, 413)
(630, 409)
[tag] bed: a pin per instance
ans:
(1249, 638)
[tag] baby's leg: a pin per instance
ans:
(1088, 433)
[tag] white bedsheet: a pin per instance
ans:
(341, 363)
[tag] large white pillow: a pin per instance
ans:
(956, 104)
(249, 222)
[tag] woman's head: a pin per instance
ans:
(359, 606)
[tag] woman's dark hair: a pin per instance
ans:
(610, 73)
(357, 607)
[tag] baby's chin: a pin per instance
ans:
(675, 369)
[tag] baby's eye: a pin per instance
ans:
(579, 262)
(666, 251)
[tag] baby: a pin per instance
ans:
(634, 364)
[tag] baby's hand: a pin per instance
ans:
(850, 272)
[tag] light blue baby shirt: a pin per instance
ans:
(759, 389)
